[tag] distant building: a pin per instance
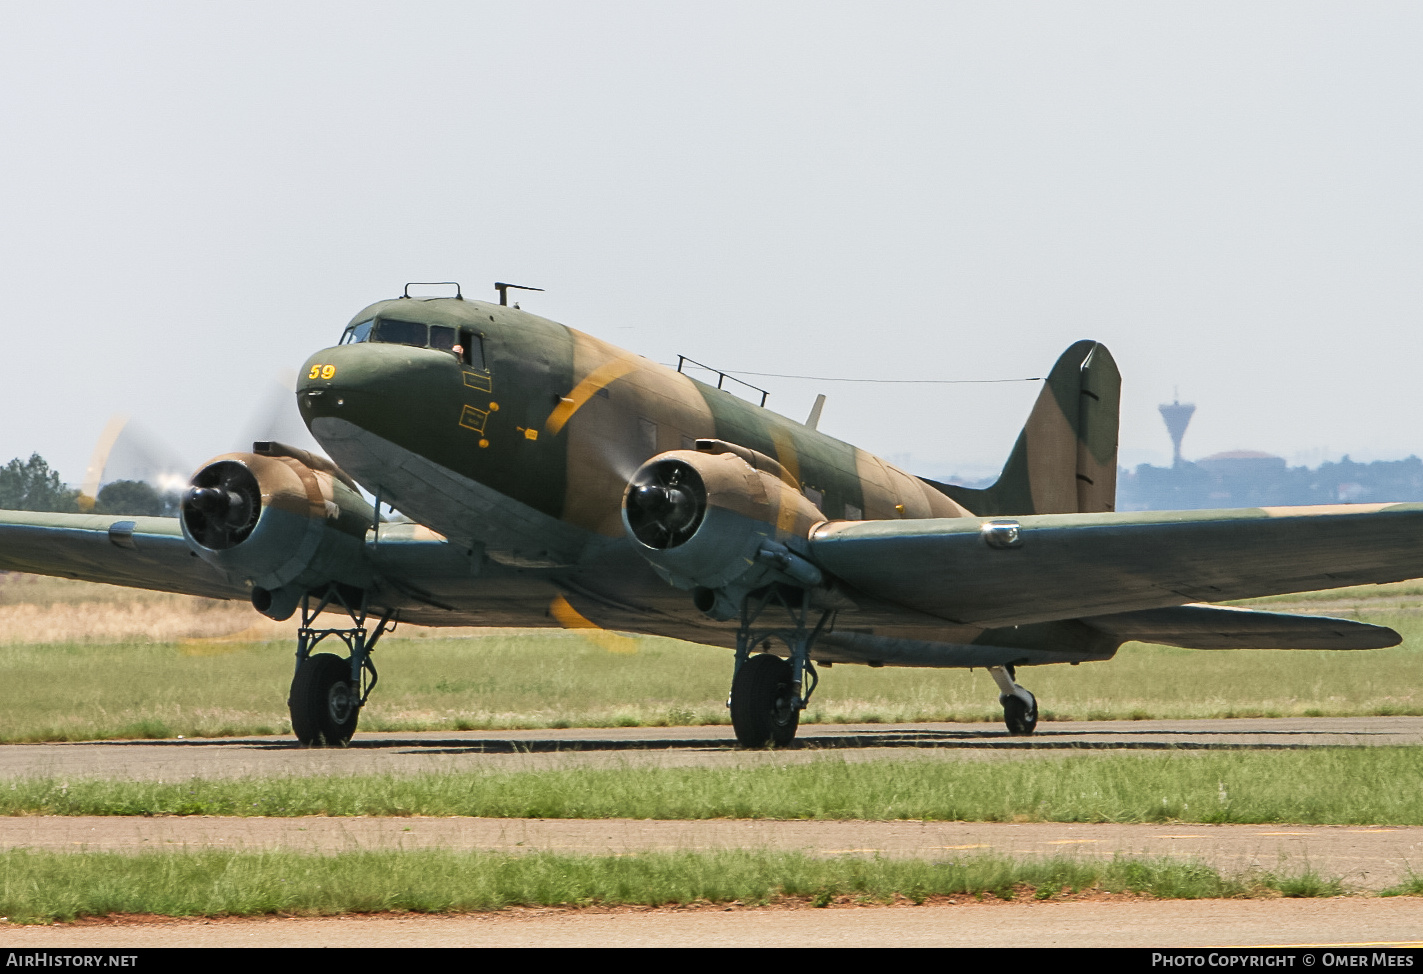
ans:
(1249, 478)
(1246, 478)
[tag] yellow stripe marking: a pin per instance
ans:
(570, 618)
(786, 457)
(601, 377)
(786, 452)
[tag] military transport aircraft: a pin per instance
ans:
(551, 479)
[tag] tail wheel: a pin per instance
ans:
(324, 704)
(1020, 715)
(763, 702)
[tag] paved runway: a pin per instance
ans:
(472, 750)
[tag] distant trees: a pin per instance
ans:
(135, 497)
(30, 485)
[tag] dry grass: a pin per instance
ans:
(80, 660)
(36, 610)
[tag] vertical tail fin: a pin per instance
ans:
(1065, 460)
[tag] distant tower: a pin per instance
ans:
(1178, 416)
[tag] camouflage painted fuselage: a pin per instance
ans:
(527, 457)
(523, 451)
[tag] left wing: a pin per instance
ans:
(430, 581)
(142, 552)
(1014, 571)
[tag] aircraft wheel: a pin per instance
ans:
(1020, 716)
(763, 704)
(324, 705)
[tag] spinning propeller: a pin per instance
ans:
(665, 504)
(221, 506)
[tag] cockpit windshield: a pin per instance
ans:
(467, 345)
(396, 332)
(358, 333)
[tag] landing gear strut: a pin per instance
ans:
(1020, 708)
(768, 692)
(327, 691)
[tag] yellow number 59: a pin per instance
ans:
(321, 372)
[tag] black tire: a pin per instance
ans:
(324, 705)
(1021, 717)
(763, 704)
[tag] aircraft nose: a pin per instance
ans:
(325, 379)
(373, 385)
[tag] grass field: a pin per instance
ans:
(44, 887)
(82, 661)
(1326, 786)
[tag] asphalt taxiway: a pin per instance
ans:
(386, 753)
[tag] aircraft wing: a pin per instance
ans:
(430, 581)
(1039, 568)
(143, 552)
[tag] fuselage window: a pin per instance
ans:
(395, 332)
(358, 333)
(647, 434)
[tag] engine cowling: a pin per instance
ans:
(720, 520)
(281, 521)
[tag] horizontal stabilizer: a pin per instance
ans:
(1224, 627)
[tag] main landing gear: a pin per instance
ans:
(768, 692)
(328, 691)
(1020, 708)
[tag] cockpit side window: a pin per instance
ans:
(473, 355)
(396, 332)
(358, 333)
(442, 337)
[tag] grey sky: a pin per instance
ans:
(196, 196)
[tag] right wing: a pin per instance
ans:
(1041, 568)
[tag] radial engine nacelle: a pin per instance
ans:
(721, 520)
(280, 520)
